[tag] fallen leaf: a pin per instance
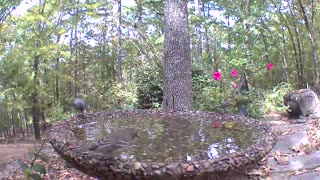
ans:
(317, 169)
(256, 172)
(287, 131)
(300, 172)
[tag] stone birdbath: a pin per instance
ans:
(171, 145)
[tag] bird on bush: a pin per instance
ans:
(112, 142)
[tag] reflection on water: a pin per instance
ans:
(163, 139)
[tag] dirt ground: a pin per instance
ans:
(9, 152)
(11, 155)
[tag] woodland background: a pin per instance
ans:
(111, 54)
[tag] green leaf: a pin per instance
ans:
(27, 172)
(24, 166)
(36, 176)
(39, 168)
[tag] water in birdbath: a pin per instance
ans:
(167, 140)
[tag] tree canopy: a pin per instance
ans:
(111, 53)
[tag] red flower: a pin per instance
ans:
(233, 85)
(234, 73)
(269, 66)
(216, 124)
(216, 75)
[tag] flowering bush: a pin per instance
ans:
(252, 100)
(234, 73)
(269, 66)
(216, 75)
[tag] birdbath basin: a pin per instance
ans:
(170, 145)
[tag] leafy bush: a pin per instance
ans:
(273, 99)
(206, 95)
(34, 170)
(253, 103)
(149, 86)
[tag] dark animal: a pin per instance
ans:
(80, 105)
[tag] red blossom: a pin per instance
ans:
(269, 66)
(233, 85)
(216, 75)
(216, 124)
(234, 73)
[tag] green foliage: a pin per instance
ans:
(252, 101)
(207, 94)
(56, 113)
(34, 170)
(149, 86)
(273, 98)
(78, 55)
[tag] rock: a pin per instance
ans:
(155, 166)
(190, 168)
(206, 165)
(80, 105)
(172, 167)
(137, 165)
(302, 103)
(144, 165)
(161, 164)
(184, 166)
(158, 172)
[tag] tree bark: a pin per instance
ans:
(20, 124)
(57, 83)
(287, 24)
(13, 123)
(313, 46)
(177, 59)
(119, 46)
(26, 121)
(35, 100)
(300, 63)
(198, 32)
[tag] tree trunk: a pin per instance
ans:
(57, 83)
(20, 123)
(119, 46)
(300, 63)
(12, 123)
(313, 46)
(198, 32)
(26, 121)
(35, 99)
(283, 58)
(177, 59)
(291, 38)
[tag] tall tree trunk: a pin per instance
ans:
(177, 59)
(198, 32)
(76, 73)
(35, 100)
(20, 123)
(57, 82)
(12, 123)
(26, 121)
(291, 38)
(283, 57)
(119, 46)
(313, 45)
(300, 63)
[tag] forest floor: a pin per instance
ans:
(280, 163)
(11, 155)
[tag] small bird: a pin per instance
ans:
(112, 142)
